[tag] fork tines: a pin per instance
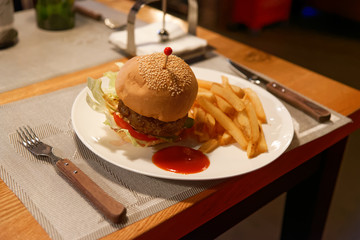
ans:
(28, 136)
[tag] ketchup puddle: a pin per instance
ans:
(179, 159)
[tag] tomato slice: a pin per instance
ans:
(123, 124)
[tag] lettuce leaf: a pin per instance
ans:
(105, 100)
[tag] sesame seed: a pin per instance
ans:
(174, 78)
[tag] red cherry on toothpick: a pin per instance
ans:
(167, 52)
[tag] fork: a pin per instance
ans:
(107, 205)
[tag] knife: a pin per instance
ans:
(99, 12)
(310, 108)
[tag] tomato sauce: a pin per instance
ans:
(179, 159)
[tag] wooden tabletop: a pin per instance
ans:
(17, 223)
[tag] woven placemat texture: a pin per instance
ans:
(54, 203)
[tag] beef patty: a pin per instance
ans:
(149, 125)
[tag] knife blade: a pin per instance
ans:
(310, 108)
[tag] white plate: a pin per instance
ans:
(225, 161)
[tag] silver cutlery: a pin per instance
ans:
(310, 108)
(163, 33)
(110, 23)
(107, 205)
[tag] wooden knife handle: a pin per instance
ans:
(87, 12)
(314, 110)
(107, 205)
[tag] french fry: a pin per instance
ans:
(209, 146)
(226, 139)
(208, 95)
(204, 128)
(204, 84)
(224, 105)
(228, 95)
(262, 146)
(251, 149)
(224, 121)
(237, 90)
(253, 97)
(254, 149)
(242, 120)
(226, 114)
(224, 80)
(200, 115)
(254, 126)
(210, 121)
(200, 89)
(199, 118)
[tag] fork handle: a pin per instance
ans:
(107, 205)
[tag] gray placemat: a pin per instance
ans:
(55, 204)
(42, 54)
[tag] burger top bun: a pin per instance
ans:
(149, 89)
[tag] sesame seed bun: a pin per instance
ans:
(152, 91)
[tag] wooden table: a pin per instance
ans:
(307, 173)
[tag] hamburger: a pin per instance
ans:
(149, 98)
